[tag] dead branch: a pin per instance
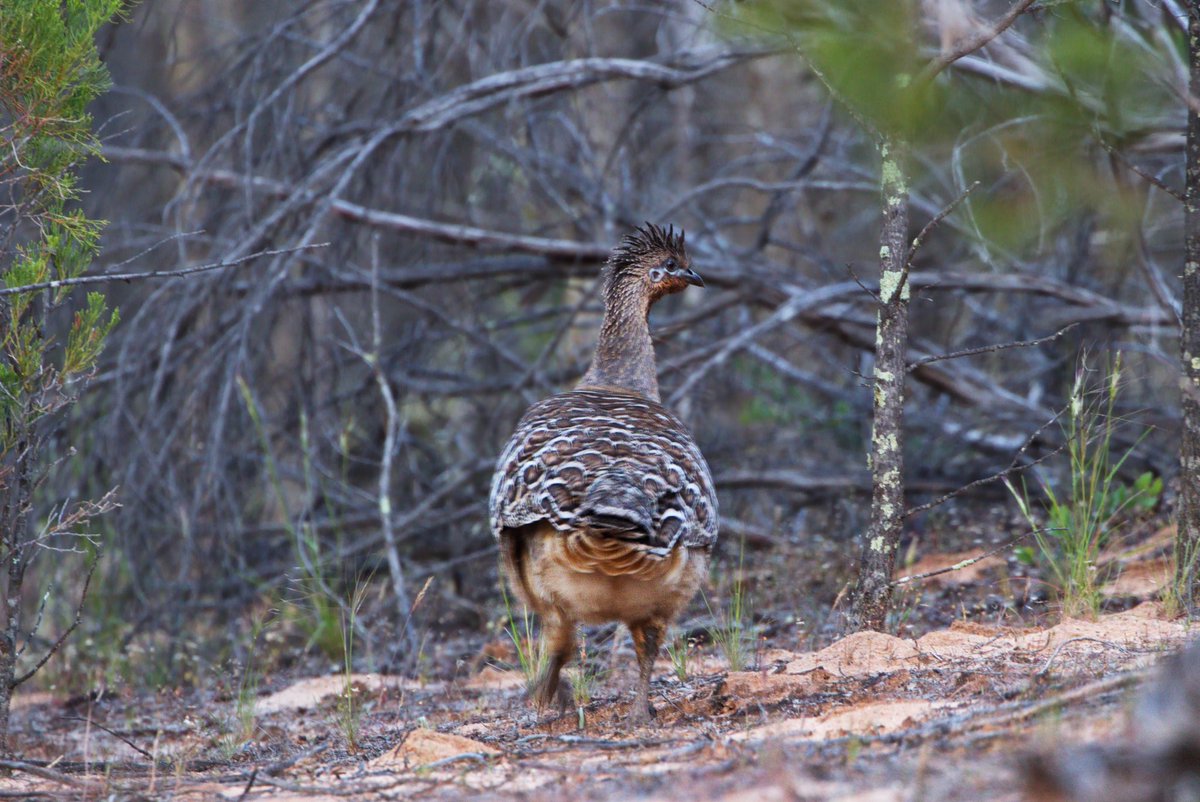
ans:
(154, 274)
(542, 79)
(1017, 464)
(987, 349)
(53, 776)
(461, 234)
(800, 302)
(1045, 669)
(958, 566)
(87, 583)
(976, 42)
(391, 430)
(93, 723)
(928, 228)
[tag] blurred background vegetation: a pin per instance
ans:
(465, 167)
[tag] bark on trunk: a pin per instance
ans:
(872, 593)
(18, 499)
(1187, 543)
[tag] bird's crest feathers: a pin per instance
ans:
(648, 240)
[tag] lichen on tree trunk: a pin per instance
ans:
(1187, 543)
(872, 593)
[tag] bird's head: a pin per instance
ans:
(653, 260)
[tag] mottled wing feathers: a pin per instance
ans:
(611, 463)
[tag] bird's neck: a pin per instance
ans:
(624, 356)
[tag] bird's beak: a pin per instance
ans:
(692, 277)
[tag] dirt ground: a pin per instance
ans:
(952, 715)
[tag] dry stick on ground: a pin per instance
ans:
(117, 735)
(249, 784)
(993, 718)
(53, 776)
(1045, 669)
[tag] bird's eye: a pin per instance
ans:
(670, 264)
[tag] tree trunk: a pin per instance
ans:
(1187, 541)
(872, 594)
(18, 499)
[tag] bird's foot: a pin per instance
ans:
(547, 695)
(641, 712)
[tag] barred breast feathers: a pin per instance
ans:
(611, 464)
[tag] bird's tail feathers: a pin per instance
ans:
(618, 505)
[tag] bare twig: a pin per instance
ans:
(958, 566)
(50, 774)
(87, 583)
(117, 735)
(1013, 467)
(249, 784)
(149, 274)
(542, 79)
(1049, 662)
(800, 301)
(391, 430)
(976, 42)
(919, 240)
(987, 349)
(462, 234)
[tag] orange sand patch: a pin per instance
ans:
(857, 655)
(423, 746)
(1142, 580)
(312, 692)
(866, 719)
(866, 653)
(494, 679)
(763, 687)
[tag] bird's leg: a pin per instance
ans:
(558, 642)
(646, 637)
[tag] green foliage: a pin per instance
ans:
(678, 649)
(1139, 498)
(49, 72)
(866, 53)
(349, 708)
(319, 609)
(245, 703)
(584, 678)
(88, 333)
(1082, 83)
(531, 652)
(1083, 517)
(734, 631)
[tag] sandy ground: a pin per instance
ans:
(872, 718)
